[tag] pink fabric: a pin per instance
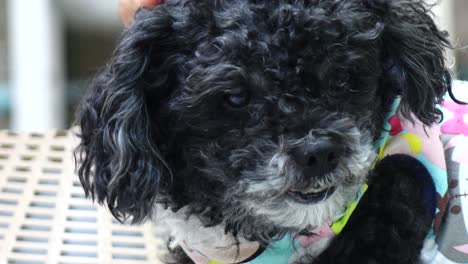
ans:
(462, 248)
(413, 138)
(431, 146)
(456, 125)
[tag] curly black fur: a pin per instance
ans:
(201, 94)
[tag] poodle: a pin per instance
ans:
(252, 128)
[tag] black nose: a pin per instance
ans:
(319, 158)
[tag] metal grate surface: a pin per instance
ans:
(44, 216)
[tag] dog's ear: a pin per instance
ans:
(413, 52)
(118, 160)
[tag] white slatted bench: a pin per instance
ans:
(45, 217)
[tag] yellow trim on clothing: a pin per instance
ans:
(338, 226)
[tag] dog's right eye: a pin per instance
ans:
(237, 99)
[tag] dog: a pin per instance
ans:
(244, 123)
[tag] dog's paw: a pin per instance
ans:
(404, 178)
(392, 219)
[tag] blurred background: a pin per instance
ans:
(50, 49)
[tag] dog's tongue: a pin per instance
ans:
(159, 2)
(309, 237)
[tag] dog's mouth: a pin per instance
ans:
(311, 196)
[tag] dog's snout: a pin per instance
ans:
(319, 158)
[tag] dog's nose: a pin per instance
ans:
(319, 158)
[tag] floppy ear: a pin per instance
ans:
(414, 54)
(118, 160)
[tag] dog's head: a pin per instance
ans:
(259, 115)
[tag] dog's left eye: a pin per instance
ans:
(237, 99)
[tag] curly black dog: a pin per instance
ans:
(242, 122)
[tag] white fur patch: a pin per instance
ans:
(211, 242)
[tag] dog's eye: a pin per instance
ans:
(237, 99)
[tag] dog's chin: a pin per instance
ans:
(301, 210)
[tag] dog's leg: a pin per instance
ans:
(392, 219)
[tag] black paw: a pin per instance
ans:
(392, 219)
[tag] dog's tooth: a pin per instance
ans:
(316, 190)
